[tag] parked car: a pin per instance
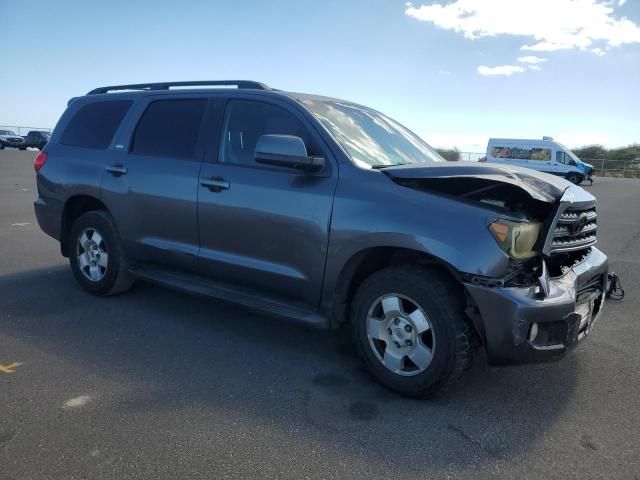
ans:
(10, 139)
(326, 212)
(37, 139)
(544, 155)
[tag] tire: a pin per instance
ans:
(23, 148)
(1, 146)
(449, 336)
(575, 178)
(87, 254)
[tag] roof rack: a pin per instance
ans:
(167, 85)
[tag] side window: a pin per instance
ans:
(94, 125)
(501, 152)
(522, 153)
(542, 154)
(560, 157)
(245, 121)
(169, 128)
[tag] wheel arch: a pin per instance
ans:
(74, 207)
(369, 260)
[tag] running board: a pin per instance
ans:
(197, 285)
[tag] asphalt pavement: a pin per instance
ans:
(158, 384)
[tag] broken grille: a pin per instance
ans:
(575, 229)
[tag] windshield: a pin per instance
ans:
(6, 132)
(370, 138)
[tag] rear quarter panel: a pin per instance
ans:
(69, 171)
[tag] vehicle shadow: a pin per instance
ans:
(168, 351)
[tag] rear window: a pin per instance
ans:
(94, 125)
(169, 128)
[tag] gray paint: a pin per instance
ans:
(286, 235)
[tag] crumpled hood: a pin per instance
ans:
(540, 186)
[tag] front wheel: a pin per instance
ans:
(575, 178)
(23, 148)
(411, 329)
(96, 255)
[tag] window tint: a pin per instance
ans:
(169, 128)
(245, 121)
(94, 125)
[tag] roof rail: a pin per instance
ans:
(168, 85)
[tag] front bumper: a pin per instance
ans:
(12, 143)
(509, 313)
(589, 176)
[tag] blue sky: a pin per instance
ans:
(430, 65)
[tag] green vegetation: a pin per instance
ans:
(632, 152)
(616, 162)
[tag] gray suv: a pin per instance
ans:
(325, 212)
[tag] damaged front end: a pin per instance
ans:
(554, 286)
(512, 197)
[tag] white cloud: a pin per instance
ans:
(598, 51)
(548, 25)
(444, 72)
(534, 67)
(531, 59)
(547, 47)
(500, 70)
(621, 2)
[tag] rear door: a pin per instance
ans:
(151, 180)
(261, 227)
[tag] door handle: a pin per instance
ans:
(116, 170)
(215, 184)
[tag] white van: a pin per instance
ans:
(544, 155)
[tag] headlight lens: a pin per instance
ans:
(516, 238)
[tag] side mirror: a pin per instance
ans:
(286, 151)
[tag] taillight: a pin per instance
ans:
(39, 162)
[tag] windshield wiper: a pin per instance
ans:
(377, 167)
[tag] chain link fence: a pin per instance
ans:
(615, 168)
(602, 167)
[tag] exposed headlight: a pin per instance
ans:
(516, 238)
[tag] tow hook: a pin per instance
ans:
(614, 287)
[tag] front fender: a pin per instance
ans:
(381, 213)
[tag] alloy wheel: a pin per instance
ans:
(92, 255)
(400, 334)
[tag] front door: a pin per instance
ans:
(261, 227)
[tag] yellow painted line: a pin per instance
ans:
(9, 368)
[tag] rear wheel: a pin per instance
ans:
(411, 330)
(96, 256)
(575, 178)
(23, 148)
